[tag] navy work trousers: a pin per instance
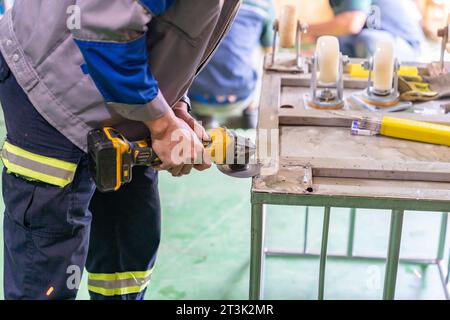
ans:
(51, 234)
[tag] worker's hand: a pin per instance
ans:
(181, 111)
(177, 145)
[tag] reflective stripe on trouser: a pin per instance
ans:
(36, 167)
(120, 283)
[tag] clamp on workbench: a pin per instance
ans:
(301, 28)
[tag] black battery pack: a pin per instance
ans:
(103, 161)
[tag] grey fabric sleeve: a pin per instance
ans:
(116, 24)
(153, 110)
(116, 21)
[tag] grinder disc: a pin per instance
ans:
(240, 170)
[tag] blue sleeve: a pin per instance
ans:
(116, 55)
(120, 70)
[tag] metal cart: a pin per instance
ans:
(373, 185)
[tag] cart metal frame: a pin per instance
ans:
(259, 251)
(282, 105)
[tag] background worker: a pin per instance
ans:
(226, 91)
(360, 24)
(62, 77)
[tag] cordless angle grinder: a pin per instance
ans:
(112, 156)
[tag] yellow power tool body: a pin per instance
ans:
(112, 156)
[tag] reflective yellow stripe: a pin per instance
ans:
(119, 283)
(118, 291)
(120, 275)
(28, 173)
(36, 167)
(41, 159)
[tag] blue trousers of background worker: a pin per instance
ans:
(52, 233)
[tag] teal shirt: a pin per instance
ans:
(340, 6)
(395, 16)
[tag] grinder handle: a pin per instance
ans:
(144, 155)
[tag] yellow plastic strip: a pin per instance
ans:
(41, 159)
(118, 291)
(416, 130)
(357, 71)
(28, 173)
(120, 275)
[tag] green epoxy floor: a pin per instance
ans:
(205, 247)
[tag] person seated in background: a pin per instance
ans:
(225, 90)
(360, 24)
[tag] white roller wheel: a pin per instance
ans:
(288, 26)
(328, 57)
(383, 66)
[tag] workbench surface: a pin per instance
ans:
(328, 146)
(345, 165)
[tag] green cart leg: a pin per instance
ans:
(257, 255)
(447, 279)
(305, 231)
(395, 237)
(323, 252)
(442, 236)
(440, 253)
(351, 233)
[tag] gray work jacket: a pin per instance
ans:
(40, 50)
